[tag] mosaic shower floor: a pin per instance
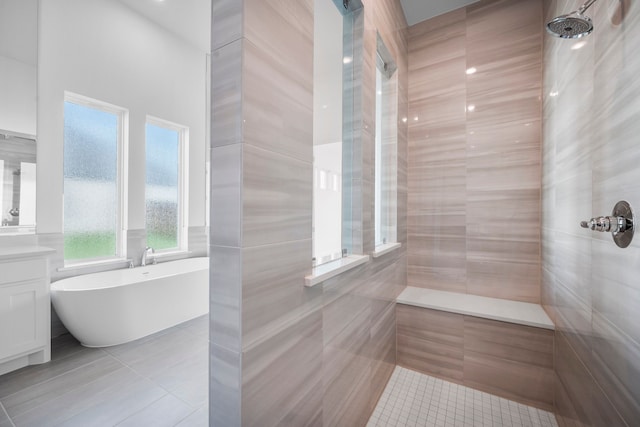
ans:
(415, 399)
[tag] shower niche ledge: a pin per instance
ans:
(521, 313)
(25, 337)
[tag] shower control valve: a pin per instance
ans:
(619, 223)
(606, 223)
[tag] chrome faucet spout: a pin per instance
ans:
(145, 256)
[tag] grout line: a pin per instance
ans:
(414, 397)
(188, 415)
(140, 410)
(38, 384)
(7, 415)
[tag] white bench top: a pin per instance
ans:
(522, 313)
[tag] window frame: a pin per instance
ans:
(385, 189)
(122, 175)
(323, 178)
(183, 182)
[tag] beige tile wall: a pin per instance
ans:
(504, 359)
(281, 353)
(590, 161)
(474, 176)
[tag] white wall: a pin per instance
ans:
(18, 56)
(103, 50)
(18, 101)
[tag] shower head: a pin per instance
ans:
(572, 25)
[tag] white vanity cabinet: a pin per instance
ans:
(25, 307)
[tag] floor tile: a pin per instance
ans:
(199, 418)
(158, 380)
(414, 399)
(4, 418)
(35, 374)
(39, 394)
(164, 412)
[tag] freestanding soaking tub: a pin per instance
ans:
(114, 307)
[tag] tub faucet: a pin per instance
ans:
(145, 255)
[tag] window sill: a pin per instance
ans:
(91, 264)
(160, 257)
(385, 249)
(168, 256)
(331, 269)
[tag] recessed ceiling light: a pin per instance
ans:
(553, 93)
(471, 70)
(347, 60)
(471, 108)
(404, 120)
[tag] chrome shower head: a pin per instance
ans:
(572, 25)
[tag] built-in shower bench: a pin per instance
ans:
(499, 346)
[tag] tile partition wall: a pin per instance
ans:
(281, 353)
(474, 150)
(590, 161)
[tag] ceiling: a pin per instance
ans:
(18, 30)
(189, 19)
(420, 10)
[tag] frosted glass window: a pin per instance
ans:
(386, 148)
(92, 137)
(163, 182)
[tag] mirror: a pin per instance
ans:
(18, 71)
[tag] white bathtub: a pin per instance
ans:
(115, 307)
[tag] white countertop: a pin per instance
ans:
(24, 252)
(522, 313)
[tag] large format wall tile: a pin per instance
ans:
(226, 196)
(437, 153)
(283, 372)
(276, 198)
(282, 353)
(508, 360)
(271, 293)
(278, 100)
(431, 341)
(225, 370)
(474, 150)
(226, 94)
(592, 406)
(591, 155)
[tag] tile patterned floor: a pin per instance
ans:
(415, 399)
(159, 380)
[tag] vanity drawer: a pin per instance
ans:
(23, 322)
(22, 270)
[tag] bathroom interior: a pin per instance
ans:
(319, 212)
